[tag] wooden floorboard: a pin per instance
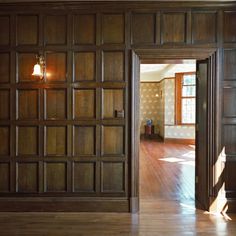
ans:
(172, 213)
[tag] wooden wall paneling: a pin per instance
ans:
(84, 176)
(5, 103)
(113, 140)
(204, 27)
(113, 66)
(143, 28)
(229, 98)
(229, 64)
(230, 175)
(55, 30)
(27, 104)
(113, 101)
(56, 66)
(84, 104)
(55, 176)
(5, 24)
(55, 141)
(5, 140)
(84, 29)
(4, 67)
(84, 140)
(27, 30)
(229, 26)
(113, 177)
(113, 28)
(4, 177)
(229, 139)
(26, 177)
(85, 66)
(173, 27)
(27, 140)
(25, 65)
(55, 104)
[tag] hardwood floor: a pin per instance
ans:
(171, 213)
(166, 170)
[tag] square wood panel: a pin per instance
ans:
(230, 139)
(230, 26)
(27, 140)
(229, 64)
(113, 28)
(5, 30)
(230, 175)
(55, 29)
(27, 104)
(84, 140)
(4, 68)
(113, 101)
(113, 66)
(56, 140)
(112, 140)
(143, 28)
(84, 177)
(27, 29)
(27, 177)
(55, 103)
(85, 29)
(229, 102)
(4, 140)
(204, 27)
(113, 177)
(26, 62)
(84, 103)
(4, 104)
(174, 27)
(4, 177)
(55, 177)
(56, 68)
(85, 66)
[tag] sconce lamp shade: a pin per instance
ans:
(37, 70)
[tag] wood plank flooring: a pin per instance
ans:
(167, 170)
(171, 214)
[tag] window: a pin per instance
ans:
(185, 84)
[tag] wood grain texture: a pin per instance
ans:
(4, 68)
(5, 140)
(5, 24)
(84, 29)
(55, 29)
(4, 177)
(229, 26)
(4, 104)
(113, 66)
(27, 106)
(204, 27)
(27, 29)
(113, 27)
(85, 66)
(174, 27)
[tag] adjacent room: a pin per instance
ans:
(167, 130)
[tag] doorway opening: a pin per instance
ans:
(167, 131)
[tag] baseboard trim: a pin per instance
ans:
(179, 141)
(134, 204)
(64, 205)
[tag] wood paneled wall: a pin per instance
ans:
(64, 136)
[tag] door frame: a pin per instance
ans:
(213, 111)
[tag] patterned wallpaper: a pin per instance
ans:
(150, 105)
(161, 109)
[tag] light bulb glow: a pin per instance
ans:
(37, 70)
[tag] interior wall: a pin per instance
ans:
(45, 125)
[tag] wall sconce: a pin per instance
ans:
(39, 67)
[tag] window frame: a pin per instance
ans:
(178, 97)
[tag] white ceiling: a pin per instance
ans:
(144, 68)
